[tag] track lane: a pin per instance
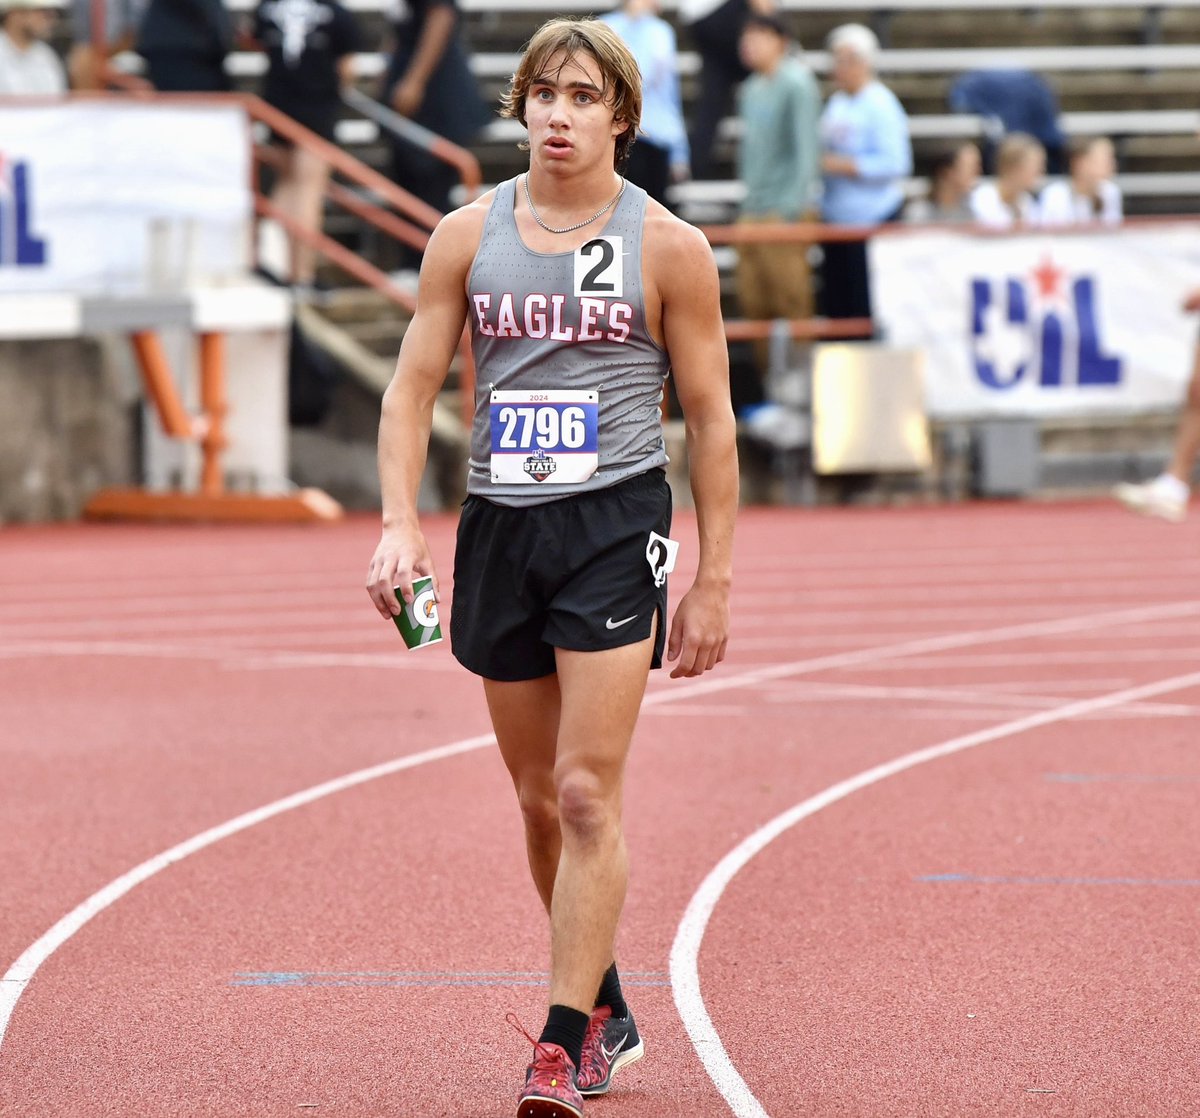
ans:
(721, 761)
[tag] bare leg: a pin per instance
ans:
(1187, 441)
(283, 195)
(311, 178)
(525, 717)
(601, 695)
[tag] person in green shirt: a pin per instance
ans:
(778, 161)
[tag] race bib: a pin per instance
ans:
(544, 438)
(600, 268)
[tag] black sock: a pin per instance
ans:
(610, 993)
(565, 1026)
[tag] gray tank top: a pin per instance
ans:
(570, 321)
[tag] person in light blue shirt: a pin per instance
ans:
(867, 156)
(779, 106)
(660, 154)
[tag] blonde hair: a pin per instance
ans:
(622, 81)
(1013, 149)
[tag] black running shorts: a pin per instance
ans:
(571, 573)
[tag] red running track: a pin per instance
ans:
(1010, 928)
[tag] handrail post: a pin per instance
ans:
(215, 404)
(160, 387)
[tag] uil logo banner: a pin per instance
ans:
(1041, 328)
(18, 245)
(1039, 324)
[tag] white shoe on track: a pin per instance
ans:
(1165, 497)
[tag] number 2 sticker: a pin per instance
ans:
(598, 268)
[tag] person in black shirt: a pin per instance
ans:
(309, 46)
(184, 43)
(429, 80)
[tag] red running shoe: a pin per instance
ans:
(609, 1044)
(550, 1090)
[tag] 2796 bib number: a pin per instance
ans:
(541, 438)
(548, 427)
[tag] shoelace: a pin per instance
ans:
(543, 1051)
(593, 1068)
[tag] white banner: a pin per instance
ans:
(1042, 324)
(118, 199)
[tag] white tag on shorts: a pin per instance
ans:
(661, 554)
(599, 268)
(544, 438)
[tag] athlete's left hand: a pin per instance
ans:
(699, 630)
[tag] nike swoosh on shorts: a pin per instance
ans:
(611, 624)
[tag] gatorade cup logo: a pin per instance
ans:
(424, 609)
(419, 623)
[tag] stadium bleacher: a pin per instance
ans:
(1119, 69)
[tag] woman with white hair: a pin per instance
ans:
(866, 157)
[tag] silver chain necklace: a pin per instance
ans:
(571, 228)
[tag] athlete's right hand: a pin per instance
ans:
(402, 555)
(1192, 302)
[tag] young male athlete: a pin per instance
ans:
(581, 294)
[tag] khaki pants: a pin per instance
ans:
(773, 281)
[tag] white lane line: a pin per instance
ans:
(1058, 658)
(31, 598)
(294, 601)
(800, 692)
(278, 619)
(685, 951)
(19, 975)
(235, 659)
(940, 591)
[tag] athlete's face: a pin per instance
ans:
(570, 123)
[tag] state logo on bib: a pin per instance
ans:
(549, 437)
(599, 268)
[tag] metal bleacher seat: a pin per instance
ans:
(1136, 57)
(550, 7)
(1092, 75)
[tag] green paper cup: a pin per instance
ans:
(419, 623)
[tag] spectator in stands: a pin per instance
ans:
(28, 66)
(716, 26)
(867, 155)
(1011, 101)
(1089, 195)
(1010, 198)
(309, 48)
(780, 110)
(1166, 496)
(954, 175)
(184, 43)
(660, 153)
(85, 63)
(429, 80)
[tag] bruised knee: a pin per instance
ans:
(586, 807)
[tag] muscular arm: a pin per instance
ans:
(686, 277)
(407, 414)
